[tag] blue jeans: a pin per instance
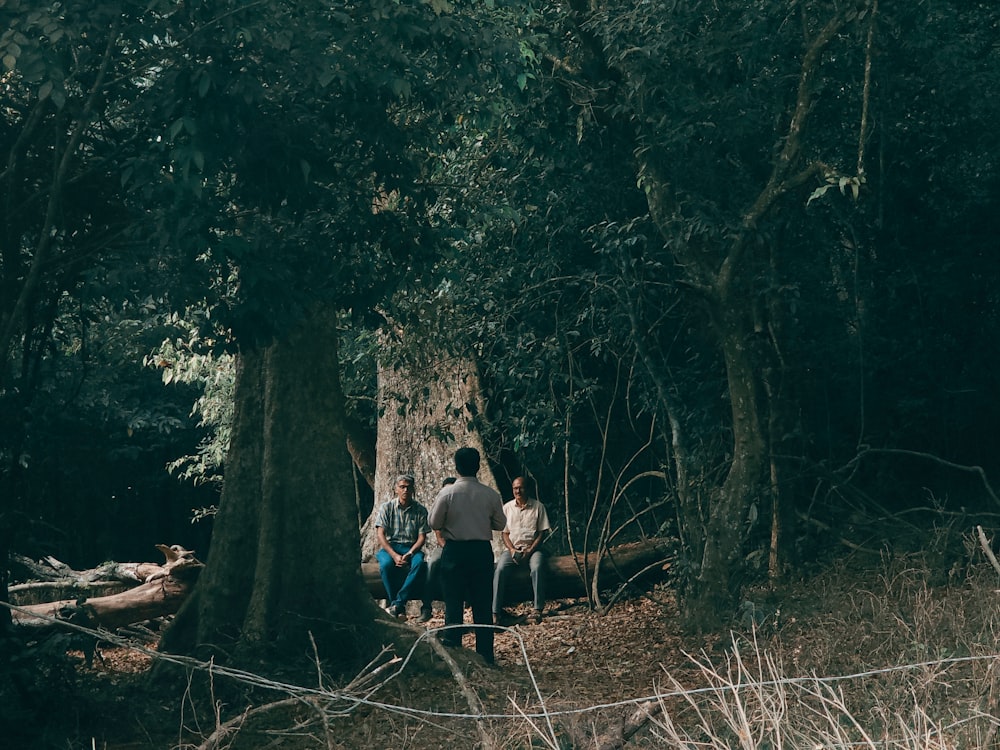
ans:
(505, 565)
(398, 595)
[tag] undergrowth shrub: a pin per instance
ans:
(871, 657)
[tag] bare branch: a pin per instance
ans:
(987, 548)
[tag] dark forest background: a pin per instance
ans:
(727, 271)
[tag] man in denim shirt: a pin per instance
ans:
(401, 528)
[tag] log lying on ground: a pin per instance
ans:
(163, 588)
(157, 590)
(564, 573)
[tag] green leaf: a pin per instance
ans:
(441, 6)
(401, 88)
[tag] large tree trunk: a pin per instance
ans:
(715, 532)
(721, 274)
(427, 410)
(283, 565)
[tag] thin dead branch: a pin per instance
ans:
(987, 548)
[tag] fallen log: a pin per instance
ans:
(161, 592)
(564, 573)
(165, 587)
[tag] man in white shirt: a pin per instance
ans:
(467, 513)
(523, 535)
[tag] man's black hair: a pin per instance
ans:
(467, 462)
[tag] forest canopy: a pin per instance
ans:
(722, 272)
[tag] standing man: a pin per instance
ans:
(467, 513)
(401, 528)
(527, 523)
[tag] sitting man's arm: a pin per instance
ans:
(384, 543)
(535, 543)
(508, 543)
(417, 545)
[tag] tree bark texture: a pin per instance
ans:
(283, 562)
(714, 597)
(426, 412)
(715, 532)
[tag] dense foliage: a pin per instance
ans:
(563, 199)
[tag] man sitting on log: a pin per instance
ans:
(401, 528)
(527, 523)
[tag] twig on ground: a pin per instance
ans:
(636, 720)
(987, 549)
(471, 697)
(228, 728)
(662, 564)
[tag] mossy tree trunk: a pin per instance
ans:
(284, 561)
(723, 279)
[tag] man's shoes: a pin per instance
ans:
(425, 614)
(398, 613)
(536, 616)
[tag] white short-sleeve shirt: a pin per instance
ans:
(524, 523)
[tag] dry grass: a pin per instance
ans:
(856, 658)
(859, 656)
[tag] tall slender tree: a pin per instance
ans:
(737, 83)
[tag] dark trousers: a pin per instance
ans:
(467, 576)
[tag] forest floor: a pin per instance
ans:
(886, 652)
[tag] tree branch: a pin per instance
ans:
(777, 184)
(977, 470)
(987, 549)
(10, 325)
